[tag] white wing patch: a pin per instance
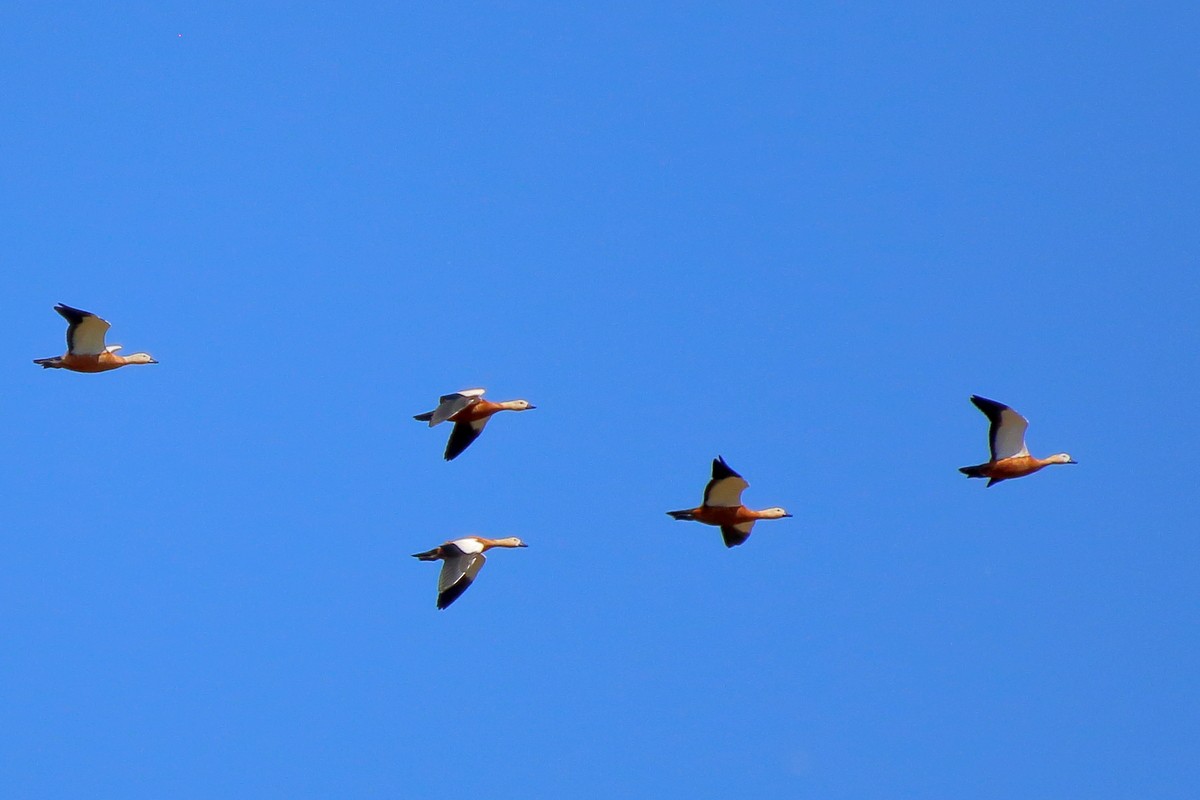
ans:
(725, 492)
(1008, 438)
(468, 544)
(87, 338)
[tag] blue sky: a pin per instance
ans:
(796, 236)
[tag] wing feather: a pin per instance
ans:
(1006, 435)
(85, 331)
(736, 534)
(726, 487)
(458, 572)
(462, 435)
(451, 404)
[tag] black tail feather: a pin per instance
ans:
(429, 555)
(682, 514)
(428, 415)
(973, 472)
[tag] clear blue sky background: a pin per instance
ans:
(795, 235)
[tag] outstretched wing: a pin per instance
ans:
(1006, 435)
(451, 404)
(726, 487)
(462, 435)
(457, 574)
(85, 331)
(736, 534)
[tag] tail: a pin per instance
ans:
(682, 514)
(973, 472)
(428, 415)
(54, 362)
(429, 555)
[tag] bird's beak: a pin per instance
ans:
(523, 545)
(787, 515)
(152, 361)
(1072, 461)
(531, 406)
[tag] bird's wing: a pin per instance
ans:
(726, 487)
(736, 534)
(451, 404)
(1006, 435)
(462, 435)
(85, 331)
(457, 574)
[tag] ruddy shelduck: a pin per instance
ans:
(86, 351)
(1010, 457)
(723, 506)
(469, 412)
(461, 561)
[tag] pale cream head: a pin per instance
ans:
(510, 541)
(774, 513)
(1062, 458)
(518, 405)
(140, 358)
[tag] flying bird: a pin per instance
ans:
(1010, 456)
(86, 351)
(469, 412)
(723, 506)
(461, 561)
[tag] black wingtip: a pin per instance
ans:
(720, 469)
(461, 437)
(732, 536)
(451, 594)
(988, 407)
(72, 315)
